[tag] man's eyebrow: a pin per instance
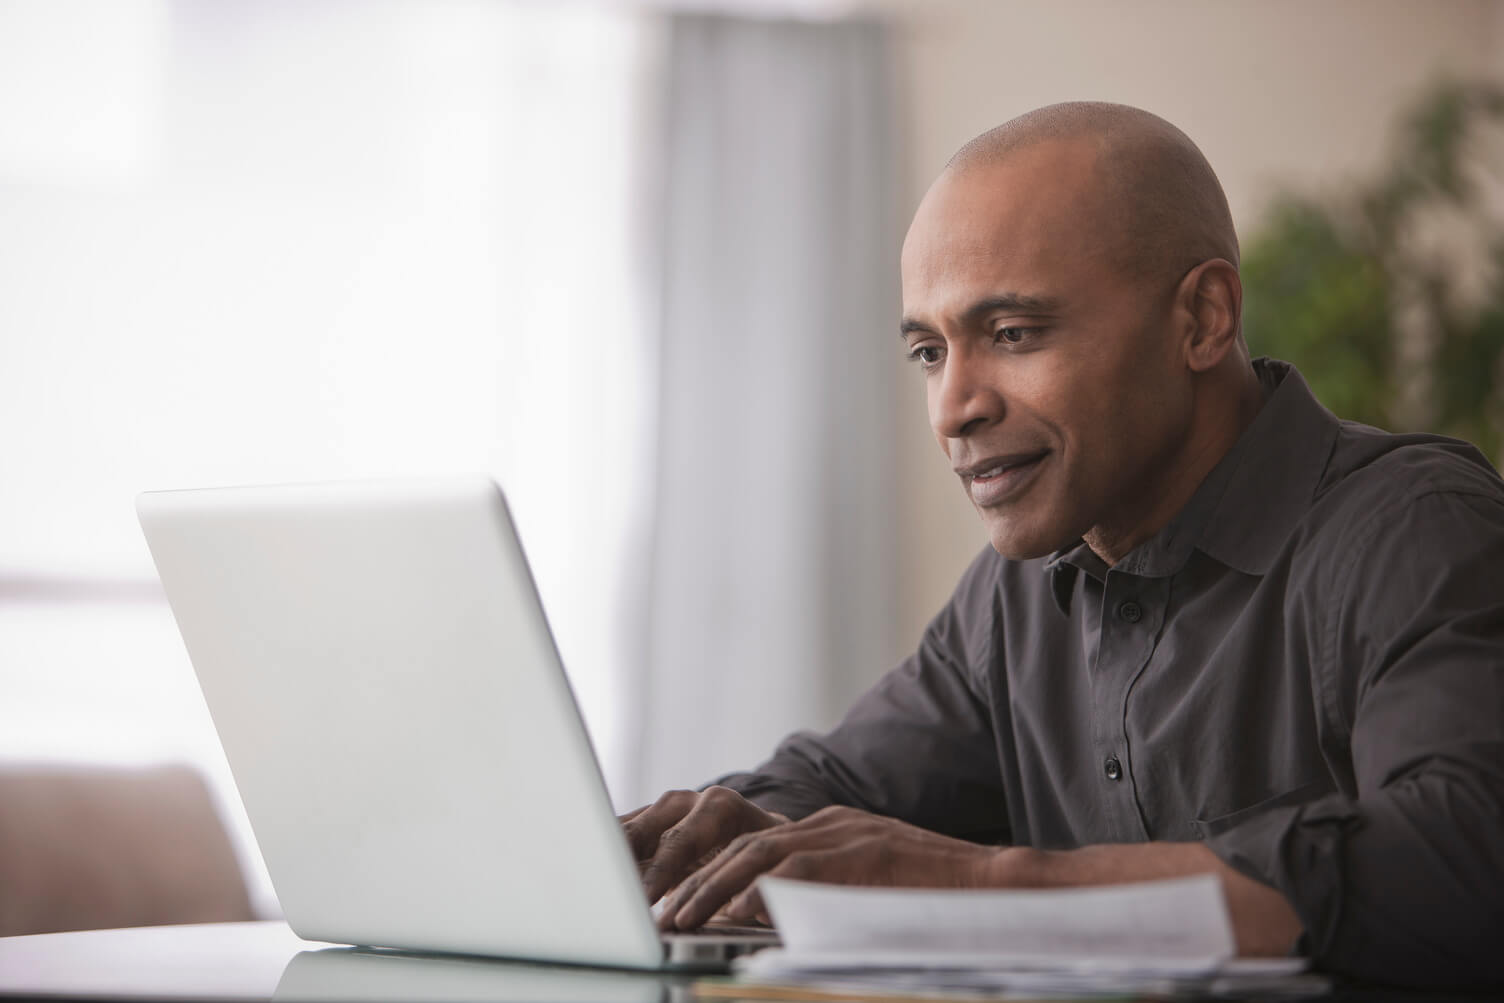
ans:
(1007, 302)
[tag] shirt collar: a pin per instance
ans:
(1246, 507)
(1271, 485)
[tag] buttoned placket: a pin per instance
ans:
(1132, 612)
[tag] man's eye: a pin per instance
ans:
(925, 355)
(1014, 335)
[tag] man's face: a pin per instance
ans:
(1054, 377)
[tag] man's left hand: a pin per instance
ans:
(840, 845)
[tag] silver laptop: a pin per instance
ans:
(398, 722)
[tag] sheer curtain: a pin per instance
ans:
(769, 596)
(261, 241)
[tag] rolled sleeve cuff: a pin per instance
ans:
(1297, 850)
(1385, 894)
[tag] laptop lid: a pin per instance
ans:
(394, 712)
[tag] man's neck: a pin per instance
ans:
(1214, 433)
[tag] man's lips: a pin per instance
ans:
(994, 479)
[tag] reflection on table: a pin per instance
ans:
(348, 973)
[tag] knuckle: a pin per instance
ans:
(832, 813)
(717, 794)
(670, 799)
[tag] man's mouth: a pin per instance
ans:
(995, 480)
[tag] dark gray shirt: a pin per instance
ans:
(1305, 669)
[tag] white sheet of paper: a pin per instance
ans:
(1175, 927)
(971, 984)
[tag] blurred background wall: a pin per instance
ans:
(1279, 95)
(637, 261)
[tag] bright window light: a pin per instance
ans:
(307, 240)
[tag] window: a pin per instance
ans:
(256, 242)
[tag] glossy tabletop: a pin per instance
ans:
(266, 961)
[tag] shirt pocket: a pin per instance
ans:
(1206, 828)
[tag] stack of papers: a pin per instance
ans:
(1148, 938)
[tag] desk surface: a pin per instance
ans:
(266, 961)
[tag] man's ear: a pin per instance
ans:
(1212, 295)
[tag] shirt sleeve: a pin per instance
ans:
(919, 745)
(1404, 882)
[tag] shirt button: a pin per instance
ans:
(1113, 768)
(1131, 611)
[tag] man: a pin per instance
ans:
(1218, 631)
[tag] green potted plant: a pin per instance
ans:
(1390, 297)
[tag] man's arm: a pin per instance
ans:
(919, 746)
(848, 846)
(1403, 883)
(1398, 884)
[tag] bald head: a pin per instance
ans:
(1155, 193)
(1071, 295)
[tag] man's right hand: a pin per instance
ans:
(672, 837)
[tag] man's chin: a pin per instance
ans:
(1022, 544)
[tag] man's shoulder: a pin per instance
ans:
(1372, 471)
(1381, 488)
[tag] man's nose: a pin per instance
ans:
(963, 399)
